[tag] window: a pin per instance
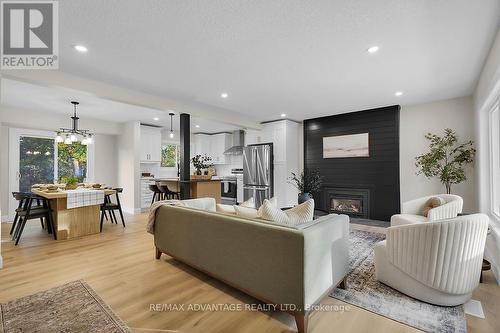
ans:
(495, 158)
(72, 160)
(169, 156)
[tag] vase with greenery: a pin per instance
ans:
(70, 181)
(200, 163)
(446, 159)
(308, 182)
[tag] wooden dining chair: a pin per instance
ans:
(33, 207)
(109, 206)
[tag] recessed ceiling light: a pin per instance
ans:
(283, 115)
(80, 48)
(224, 95)
(156, 118)
(197, 126)
(398, 93)
(373, 49)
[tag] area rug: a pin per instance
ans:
(364, 291)
(72, 307)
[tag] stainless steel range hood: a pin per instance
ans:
(238, 143)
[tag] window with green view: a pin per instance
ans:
(169, 156)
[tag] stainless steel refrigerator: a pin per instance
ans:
(258, 176)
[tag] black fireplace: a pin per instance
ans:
(354, 202)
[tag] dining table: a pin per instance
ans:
(74, 220)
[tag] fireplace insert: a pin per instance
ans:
(354, 202)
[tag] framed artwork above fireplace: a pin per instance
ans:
(341, 146)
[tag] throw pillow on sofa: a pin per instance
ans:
(246, 212)
(297, 215)
(225, 209)
(432, 203)
(250, 203)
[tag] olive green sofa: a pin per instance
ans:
(293, 268)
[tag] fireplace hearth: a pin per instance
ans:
(354, 202)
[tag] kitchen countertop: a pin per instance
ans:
(183, 181)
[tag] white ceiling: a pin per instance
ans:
(302, 58)
(57, 100)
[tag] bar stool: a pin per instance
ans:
(157, 194)
(168, 194)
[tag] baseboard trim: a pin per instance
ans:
(4, 218)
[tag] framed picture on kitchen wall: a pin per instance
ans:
(342, 146)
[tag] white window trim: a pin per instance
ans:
(494, 152)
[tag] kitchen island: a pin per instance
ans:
(72, 222)
(199, 188)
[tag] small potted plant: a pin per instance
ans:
(200, 163)
(70, 181)
(307, 183)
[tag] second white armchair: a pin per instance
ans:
(412, 211)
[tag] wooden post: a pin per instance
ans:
(185, 154)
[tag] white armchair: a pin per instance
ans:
(436, 262)
(411, 211)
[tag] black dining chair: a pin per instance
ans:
(157, 194)
(31, 207)
(109, 206)
(167, 193)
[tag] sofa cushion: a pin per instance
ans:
(299, 214)
(403, 219)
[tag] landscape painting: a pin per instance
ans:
(353, 145)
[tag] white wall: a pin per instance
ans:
(128, 150)
(418, 120)
(487, 89)
(105, 160)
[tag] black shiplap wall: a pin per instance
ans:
(379, 172)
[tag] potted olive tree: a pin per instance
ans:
(446, 158)
(307, 183)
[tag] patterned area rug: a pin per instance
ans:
(72, 307)
(364, 291)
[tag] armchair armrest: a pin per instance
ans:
(447, 211)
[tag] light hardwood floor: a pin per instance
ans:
(119, 264)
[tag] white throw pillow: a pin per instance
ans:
(246, 212)
(273, 202)
(225, 209)
(297, 215)
(250, 203)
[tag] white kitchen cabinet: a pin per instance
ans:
(218, 145)
(213, 146)
(150, 144)
(146, 193)
(284, 135)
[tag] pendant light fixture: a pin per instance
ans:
(74, 134)
(171, 135)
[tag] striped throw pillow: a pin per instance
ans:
(297, 215)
